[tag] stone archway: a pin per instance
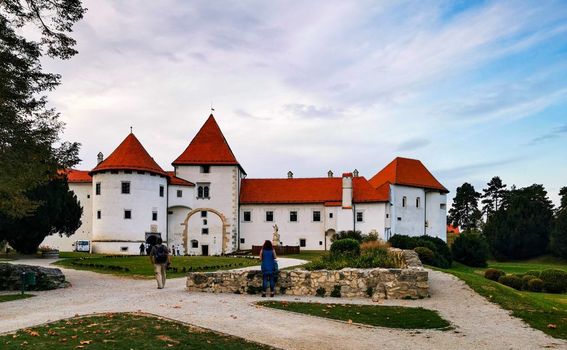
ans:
(225, 224)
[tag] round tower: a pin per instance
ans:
(129, 199)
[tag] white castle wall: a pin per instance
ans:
(83, 193)
(114, 234)
(374, 218)
(436, 212)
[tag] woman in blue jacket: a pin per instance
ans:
(269, 269)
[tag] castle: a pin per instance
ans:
(208, 206)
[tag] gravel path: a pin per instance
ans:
(479, 324)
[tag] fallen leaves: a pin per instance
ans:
(552, 326)
(85, 342)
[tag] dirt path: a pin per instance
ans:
(479, 324)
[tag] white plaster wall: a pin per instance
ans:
(436, 216)
(175, 227)
(345, 218)
(374, 218)
(187, 196)
(66, 244)
(213, 239)
(224, 186)
(142, 201)
(412, 221)
(258, 230)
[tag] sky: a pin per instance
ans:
(474, 89)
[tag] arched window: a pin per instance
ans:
(404, 200)
(206, 191)
(200, 192)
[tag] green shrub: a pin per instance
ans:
(347, 246)
(320, 292)
(533, 273)
(535, 285)
(402, 241)
(554, 281)
(511, 281)
(526, 280)
(442, 250)
(442, 257)
(470, 249)
(336, 292)
(493, 274)
(371, 237)
(425, 254)
(356, 235)
(376, 257)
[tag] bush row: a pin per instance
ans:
(437, 252)
(550, 281)
(349, 253)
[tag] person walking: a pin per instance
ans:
(142, 248)
(173, 249)
(159, 255)
(269, 268)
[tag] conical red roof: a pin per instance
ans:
(408, 172)
(208, 147)
(130, 155)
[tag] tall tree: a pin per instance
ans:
(558, 242)
(521, 227)
(493, 196)
(29, 130)
(59, 212)
(464, 211)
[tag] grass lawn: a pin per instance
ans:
(374, 315)
(121, 331)
(537, 309)
(142, 267)
(539, 264)
(10, 297)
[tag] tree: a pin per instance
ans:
(520, 228)
(493, 196)
(470, 248)
(464, 211)
(59, 212)
(29, 130)
(558, 243)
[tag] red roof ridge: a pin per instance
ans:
(408, 172)
(129, 155)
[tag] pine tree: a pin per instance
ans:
(493, 196)
(464, 211)
(558, 242)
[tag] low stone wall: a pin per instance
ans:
(46, 278)
(408, 282)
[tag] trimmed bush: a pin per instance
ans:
(554, 281)
(470, 249)
(493, 274)
(511, 281)
(533, 273)
(442, 254)
(347, 246)
(425, 254)
(402, 242)
(526, 280)
(356, 235)
(535, 285)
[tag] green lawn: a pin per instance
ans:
(537, 309)
(308, 255)
(539, 264)
(141, 266)
(374, 315)
(10, 297)
(121, 331)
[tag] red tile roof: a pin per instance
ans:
(407, 172)
(177, 181)
(327, 191)
(453, 229)
(77, 176)
(129, 155)
(209, 146)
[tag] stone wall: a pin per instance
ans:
(411, 281)
(46, 278)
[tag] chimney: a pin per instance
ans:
(330, 173)
(347, 190)
(355, 173)
(289, 175)
(99, 158)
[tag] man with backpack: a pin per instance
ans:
(160, 257)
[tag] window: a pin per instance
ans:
(399, 218)
(359, 216)
(269, 216)
(127, 171)
(123, 249)
(88, 196)
(204, 231)
(316, 216)
(417, 202)
(140, 172)
(205, 169)
(161, 190)
(169, 212)
(293, 216)
(204, 221)
(320, 242)
(246, 216)
(443, 206)
(125, 187)
(127, 214)
(204, 214)
(98, 214)
(330, 215)
(404, 200)
(152, 174)
(203, 191)
(194, 244)
(242, 241)
(302, 242)
(179, 193)
(206, 191)
(97, 189)
(387, 216)
(154, 216)
(114, 171)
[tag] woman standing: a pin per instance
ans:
(268, 258)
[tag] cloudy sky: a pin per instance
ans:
(473, 89)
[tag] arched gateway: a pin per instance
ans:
(224, 234)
